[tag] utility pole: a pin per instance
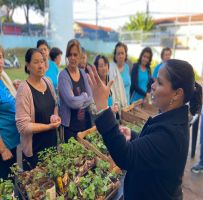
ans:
(147, 7)
(46, 18)
(96, 12)
(96, 37)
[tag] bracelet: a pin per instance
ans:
(102, 110)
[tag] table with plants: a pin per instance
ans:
(70, 171)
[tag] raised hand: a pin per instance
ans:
(99, 89)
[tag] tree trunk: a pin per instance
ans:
(26, 11)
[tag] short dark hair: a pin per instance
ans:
(163, 51)
(146, 50)
(54, 52)
(42, 42)
(96, 61)
(120, 44)
(28, 57)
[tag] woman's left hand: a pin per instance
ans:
(55, 118)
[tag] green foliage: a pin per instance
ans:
(89, 192)
(96, 139)
(72, 190)
(10, 7)
(6, 189)
(137, 127)
(141, 21)
(75, 154)
(98, 182)
(103, 165)
(61, 197)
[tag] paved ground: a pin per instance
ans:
(192, 183)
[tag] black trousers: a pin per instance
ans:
(30, 162)
(68, 133)
(5, 165)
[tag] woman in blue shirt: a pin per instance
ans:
(141, 76)
(9, 136)
(120, 58)
(102, 65)
(52, 69)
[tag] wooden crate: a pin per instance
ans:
(88, 145)
(137, 111)
(113, 192)
(149, 108)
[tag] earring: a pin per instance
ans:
(171, 102)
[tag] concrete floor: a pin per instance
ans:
(192, 183)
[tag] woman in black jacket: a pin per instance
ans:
(155, 160)
(141, 76)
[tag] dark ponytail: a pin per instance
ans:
(196, 100)
(181, 75)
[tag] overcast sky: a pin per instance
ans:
(114, 13)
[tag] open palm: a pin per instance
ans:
(99, 89)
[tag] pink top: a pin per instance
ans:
(25, 115)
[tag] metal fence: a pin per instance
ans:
(157, 38)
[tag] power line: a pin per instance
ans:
(128, 15)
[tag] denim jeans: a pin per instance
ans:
(201, 140)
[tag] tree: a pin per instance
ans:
(26, 5)
(141, 21)
(10, 6)
(37, 5)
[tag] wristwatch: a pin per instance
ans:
(94, 112)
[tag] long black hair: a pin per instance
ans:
(146, 50)
(96, 61)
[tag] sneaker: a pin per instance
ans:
(197, 168)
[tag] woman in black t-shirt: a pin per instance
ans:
(74, 93)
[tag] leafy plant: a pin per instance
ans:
(6, 189)
(137, 127)
(141, 21)
(72, 190)
(96, 140)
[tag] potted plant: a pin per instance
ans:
(6, 189)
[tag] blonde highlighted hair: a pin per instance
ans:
(71, 44)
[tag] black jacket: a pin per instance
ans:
(156, 160)
(134, 81)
